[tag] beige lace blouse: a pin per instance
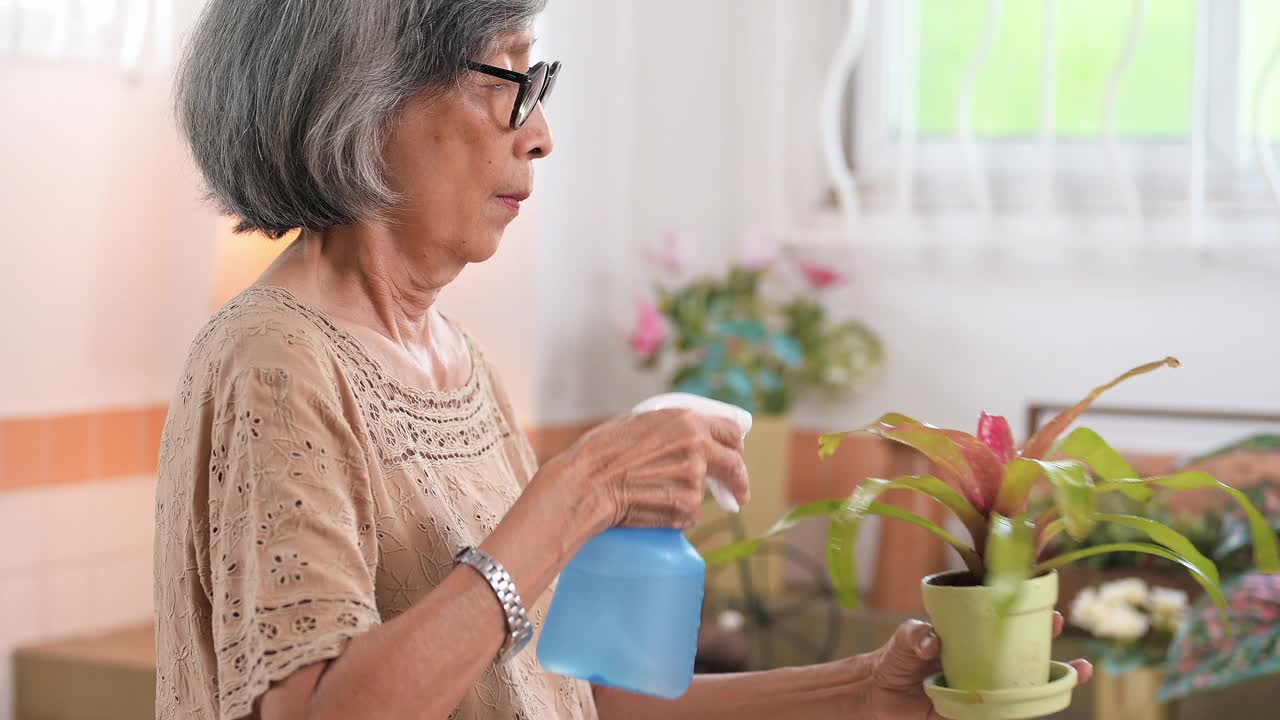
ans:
(306, 496)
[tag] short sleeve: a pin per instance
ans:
(292, 545)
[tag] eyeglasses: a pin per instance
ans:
(535, 86)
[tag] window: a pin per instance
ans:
(1143, 108)
(128, 32)
(1154, 97)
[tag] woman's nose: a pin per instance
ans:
(534, 137)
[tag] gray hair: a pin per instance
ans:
(286, 104)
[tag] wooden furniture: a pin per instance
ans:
(109, 676)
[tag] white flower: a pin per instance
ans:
(1120, 621)
(731, 621)
(1167, 607)
(1130, 591)
(1085, 609)
(836, 376)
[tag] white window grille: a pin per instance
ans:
(952, 119)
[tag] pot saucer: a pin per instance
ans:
(1011, 704)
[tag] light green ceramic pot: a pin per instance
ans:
(978, 653)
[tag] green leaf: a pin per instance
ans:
(695, 386)
(947, 496)
(872, 488)
(1213, 589)
(744, 548)
(1051, 531)
(714, 358)
(1043, 438)
(1266, 555)
(1073, 495)
(842, 556)
(738, 382)
(748, 330)
(768, 380)
(847, 516)
(829, 442)
(842, 537)
(896, 419)
(686, 374)
(1088, 446)
(1010, 554)
(787, 349)
(1168, 537)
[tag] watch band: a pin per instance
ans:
(519, 629)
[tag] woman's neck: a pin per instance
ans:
(369, 276)
(381, 287)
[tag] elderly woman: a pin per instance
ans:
(343, 489)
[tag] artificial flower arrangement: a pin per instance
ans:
(1133, 623)
(995, 617)
(757, 335)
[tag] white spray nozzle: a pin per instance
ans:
(712, 408)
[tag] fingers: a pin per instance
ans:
(726, 432)
(909, 657)
(656, 465)
(1084, 669)
(668, 495)
(727, 466)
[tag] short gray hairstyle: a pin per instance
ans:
(286, 104)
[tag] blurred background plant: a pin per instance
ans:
(1222, 535)
(1204, 530)
(1131, 622)
(756, 334)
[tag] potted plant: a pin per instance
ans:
(995, 617)
(1132, 625)
(756, 335)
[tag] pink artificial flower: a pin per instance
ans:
(761, 254)
(994, 432)
(673, 255)
(650, 330)
(820, 276)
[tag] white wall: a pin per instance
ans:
(107, 253)
(496, 301)
(645, 143)
(969, 336)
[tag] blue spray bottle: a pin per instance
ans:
(627, 608)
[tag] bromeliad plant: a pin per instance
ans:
(985, 480)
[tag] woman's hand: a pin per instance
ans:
(893, 678)
(650, 469)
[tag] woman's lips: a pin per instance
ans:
(512, 201)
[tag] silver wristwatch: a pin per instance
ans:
(519, 629)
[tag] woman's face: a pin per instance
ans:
(459, 167)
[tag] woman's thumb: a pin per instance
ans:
(910, 657)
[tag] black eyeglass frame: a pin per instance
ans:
(525, 81)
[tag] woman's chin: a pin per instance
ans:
(484, 247)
